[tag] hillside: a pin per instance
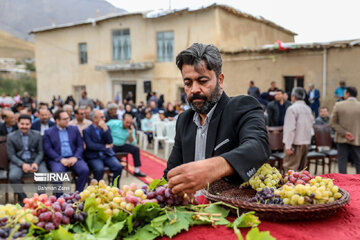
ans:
(18, 17)
(13, 47)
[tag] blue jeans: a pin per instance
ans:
(97, 165)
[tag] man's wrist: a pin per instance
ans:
(220, 167)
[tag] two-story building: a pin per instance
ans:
(135, 51)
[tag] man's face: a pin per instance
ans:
(273, 85)
(112, 111)
(44, 115)
(201, 86)
(99, 115)
(81, 115)
(127, 122)
(279, 96)
(24, 125)
(87, 112)
(10, 119)
(342, 85)
(324, 113)
(152, 105)
(69, 111)
(63, 122)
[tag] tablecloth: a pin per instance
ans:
(343, 225)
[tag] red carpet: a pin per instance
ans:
(151, 165)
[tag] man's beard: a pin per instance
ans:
(208, 104)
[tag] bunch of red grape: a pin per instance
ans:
(165, 197)
(51, 212)
(266, 196)
(295, 178)
(6, 228)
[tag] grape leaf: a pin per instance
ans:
(84, 236)
(145, 233)
(158, 223)
(110, 230)
(255, 234)
(178, 221)
(96, 218)
(60, 234)
(156, 183)
(145, 213)
(245, 220)
(121, 216)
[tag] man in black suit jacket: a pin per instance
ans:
(9, 124)
(25, 151)
(219, 137)
(44, 123)
(276, 109)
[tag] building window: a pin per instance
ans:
(83, 53)
(121, 45)
(165, 46)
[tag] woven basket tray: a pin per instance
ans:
(222, 191)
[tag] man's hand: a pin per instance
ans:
(103, 125)
(65, 162)
(109, 145)
(289, 151)
(349, 136)
(26, 168)
(34, 167)
(190, 177)
(72, 160)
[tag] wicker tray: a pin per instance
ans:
(222, 191)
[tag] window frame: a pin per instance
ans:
(123, 37)
(82, 59)
(165, 55)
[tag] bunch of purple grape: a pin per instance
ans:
(6, 229)
(76, 214)
(266, 196)
(165, 197)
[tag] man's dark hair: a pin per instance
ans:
(323, 107)
(127, 113)
(280, 90)
(352, 91)
(252, 82)
(57, 114)
(24, 116)
(198, 52)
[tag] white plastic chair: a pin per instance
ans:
(170, 134)
(155, 117)
(158, 135)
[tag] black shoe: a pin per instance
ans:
(139, 174)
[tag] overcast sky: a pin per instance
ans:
(312, 20)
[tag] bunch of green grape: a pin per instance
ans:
(320, 190)
(265, 176)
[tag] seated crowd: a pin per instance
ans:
(81, 141)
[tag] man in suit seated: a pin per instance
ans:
(9, 124)
(99, 145)
(123, 131)
(44, 121)
(25, 150)
(64, 147)
(219, 137)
